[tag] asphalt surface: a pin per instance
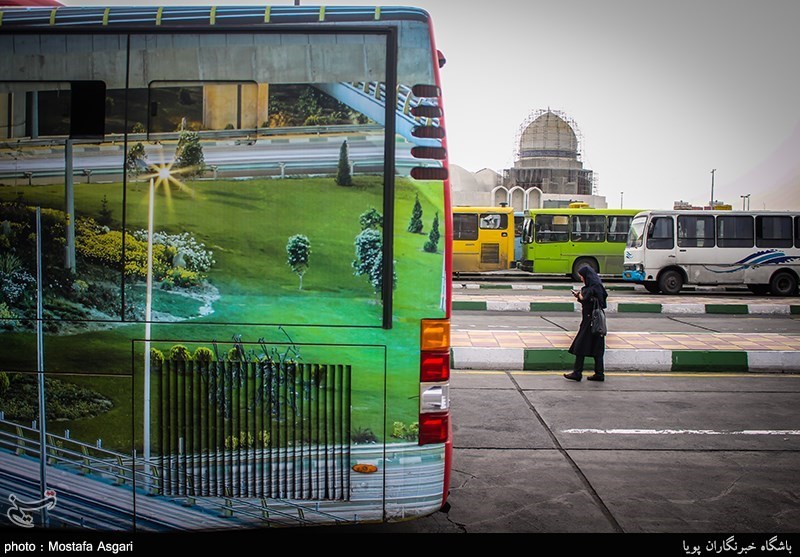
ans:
(639, 453)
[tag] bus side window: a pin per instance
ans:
(735, 231)
(773, 231)
(660, 233)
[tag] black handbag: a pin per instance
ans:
(598, 324)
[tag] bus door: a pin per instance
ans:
(660, 245)
(696, 248)
(466, 251)
(551, 238)
(496, 241)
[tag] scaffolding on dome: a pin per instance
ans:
(533, 116)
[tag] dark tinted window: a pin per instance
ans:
(588, 228)
(773, 232)
(735, 231)
(552, 228)
(695, 231)
(465, 226)
(618, 227)
(660, 233)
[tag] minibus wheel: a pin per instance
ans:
(783, 283)
(670, 282)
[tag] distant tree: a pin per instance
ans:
(189, 153)
(343, 177)
(135, 162)
(104, 217)
(371, 219)
(298, 249)
(415, 224)
(432, 245)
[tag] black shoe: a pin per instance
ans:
(596, 377)
(574, 376)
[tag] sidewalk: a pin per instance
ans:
(629, 351)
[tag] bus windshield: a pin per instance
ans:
(636, 232)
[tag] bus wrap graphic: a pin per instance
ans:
(760, 258)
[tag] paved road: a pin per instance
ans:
(657, 453)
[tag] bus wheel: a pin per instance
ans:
(783, 284)
(670, 282)
(651, 287)
(583, 262)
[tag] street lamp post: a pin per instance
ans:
(620, 198)
(712, 188)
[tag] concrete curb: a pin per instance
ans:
(629, 307)
(520, 359)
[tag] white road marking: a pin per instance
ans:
(684, 431)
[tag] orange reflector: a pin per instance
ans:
(434, 367)
(365, 468)
(435, 334)
(434, 428)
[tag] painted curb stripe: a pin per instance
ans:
(727, 308)
(638, 308)
(470, 306)
(556, 359)
(553, 306)
(497, 286)
(266, 14)
(708, 360)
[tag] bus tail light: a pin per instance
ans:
(434, 428)
(434, 374)
(434, 366)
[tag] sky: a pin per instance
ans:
(662, 92)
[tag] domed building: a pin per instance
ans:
(547, 172)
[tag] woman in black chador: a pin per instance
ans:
(586, 343)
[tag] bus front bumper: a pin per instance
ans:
(633, 276)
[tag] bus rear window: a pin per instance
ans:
(494, 221)
(465, 226)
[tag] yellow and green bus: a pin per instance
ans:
(561, 241)
(483, 239)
